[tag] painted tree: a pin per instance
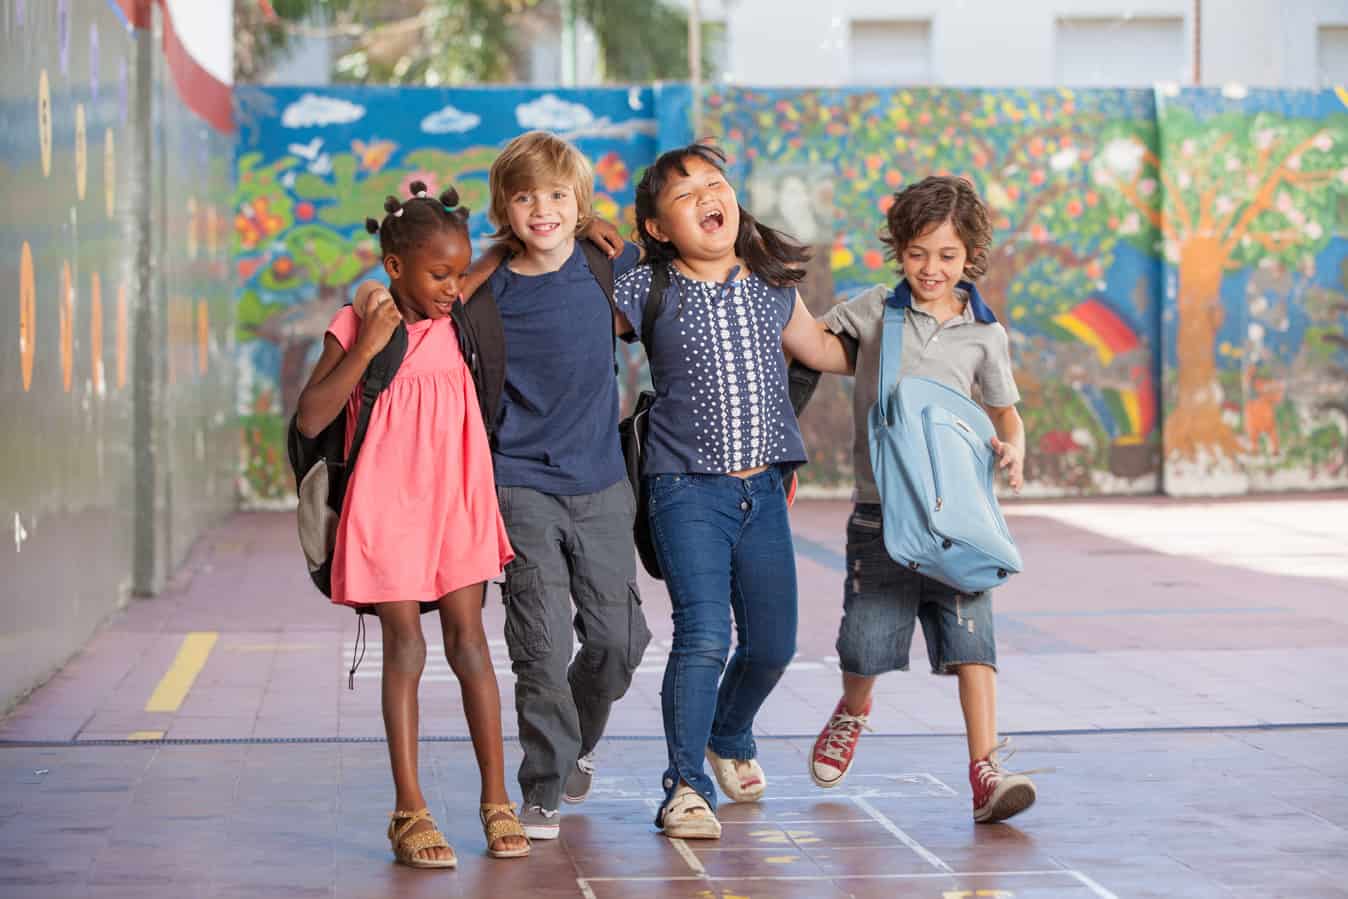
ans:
(1237, 188)
(1029, 153)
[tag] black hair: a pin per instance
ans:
(411, 221)
(770, 254)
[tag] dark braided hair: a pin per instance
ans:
(770, 254)
(409, 222)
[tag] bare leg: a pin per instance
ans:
(469, 656)
(978, 700)
(404, 660)
(857, 692)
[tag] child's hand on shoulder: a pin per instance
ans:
(364, 305)
(379, 324)
(606, 236)
(1011, 459)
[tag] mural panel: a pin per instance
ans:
(312, 166)
(1074, 272)
(1256, 323)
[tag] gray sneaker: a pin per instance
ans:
(579, 781)
(541, 823)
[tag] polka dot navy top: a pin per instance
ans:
(719, 373)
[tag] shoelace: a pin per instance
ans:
(990, 768)
(586, 763)
(842, 730)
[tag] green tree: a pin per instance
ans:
(462, 41)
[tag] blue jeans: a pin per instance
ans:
(725, 548)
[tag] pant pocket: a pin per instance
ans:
(526, 631)
(638, 634)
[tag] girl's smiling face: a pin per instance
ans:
(697, 212)
(933, 262)
(429, 277)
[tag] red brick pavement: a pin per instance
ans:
(1136, 626)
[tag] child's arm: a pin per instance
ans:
(370, 293)
(811, 343)
(1009, 444)
(604, 235)
(338, 372)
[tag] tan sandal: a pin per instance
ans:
(406, 845)
(687, 816)
(498, 828)
(747, 785)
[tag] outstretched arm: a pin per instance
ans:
(604, 235)
(1009, 444)
(811, 343)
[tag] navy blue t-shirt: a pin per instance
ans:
(720, 376)
(558, 431)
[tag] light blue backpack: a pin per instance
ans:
(935, 469)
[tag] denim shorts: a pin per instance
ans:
(882, 600)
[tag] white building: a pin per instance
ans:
(1030, 43)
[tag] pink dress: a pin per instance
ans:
(420, 517)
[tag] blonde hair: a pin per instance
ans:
(535, 159)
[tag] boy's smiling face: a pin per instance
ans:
(544, 217)
(933, 262)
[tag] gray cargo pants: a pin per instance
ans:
(568, 548)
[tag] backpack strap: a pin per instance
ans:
(602, 268)
(482, 341)
(378, 375)
(891, 357)
(655, 298)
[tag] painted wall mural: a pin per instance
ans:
(1255, 237)
(1153, 352)
(1074, 272)
(312, 166)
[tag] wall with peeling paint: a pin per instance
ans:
(119, 447)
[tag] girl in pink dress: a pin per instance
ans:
(420, 528)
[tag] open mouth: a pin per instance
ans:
(927, 284)
(712, 221)
(543, 228)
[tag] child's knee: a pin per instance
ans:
(468, 654)
(405, 652)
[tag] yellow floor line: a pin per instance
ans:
(173, 687)
(145, 735)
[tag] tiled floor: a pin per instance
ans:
(1172, 661)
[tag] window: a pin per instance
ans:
(1112, 52)
(1331, 58)
(890, 52)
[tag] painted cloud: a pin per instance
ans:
(549, 113)
(313, 111)
(450, 121)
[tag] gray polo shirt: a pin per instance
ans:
(971, 348)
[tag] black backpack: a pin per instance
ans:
(323, 468)
(801, 383)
